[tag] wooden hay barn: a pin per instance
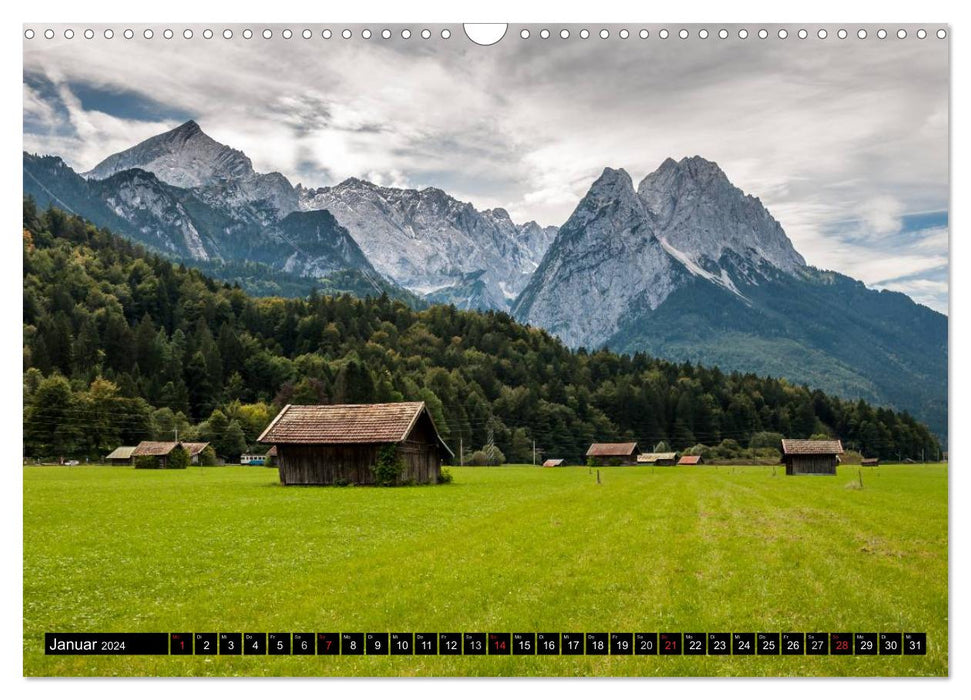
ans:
(162, 450)
(553, 463)
(317, 445)
(811, 456)
(120, 455)
(604, 454)
(869, 462)
(660, 459)
(690, 460)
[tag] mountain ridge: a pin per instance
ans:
(628, 269)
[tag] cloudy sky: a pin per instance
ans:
(845, 141)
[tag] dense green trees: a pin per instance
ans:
(120, 346)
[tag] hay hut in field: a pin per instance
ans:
(811, 456)
(161, 451)
(605, 454)
(120, 455)
(317, 445)
(690, 460)
(869, 462)
(553, 463)
(658, 459)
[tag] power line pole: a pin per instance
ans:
(534, 453)
(461, 454)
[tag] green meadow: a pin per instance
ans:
(509, 549)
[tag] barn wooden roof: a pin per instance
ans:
(346, 424)
(612, 449)
(121, 453)
(150, 448)
(194, 448)
(690, 459)
(552, 462)
(655, 456)
(812, 447)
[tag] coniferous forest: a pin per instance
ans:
(121, 345)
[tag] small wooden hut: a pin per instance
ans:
(811, 456)
(659, 459)
(690, 460)
(605, 454)
(161, 451)
(194, 449)
(318, 445)
(553, 463)
(120, 455)
(869, 462)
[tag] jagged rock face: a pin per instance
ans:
(186, 157)
(700, 214)
(536, 239)
(140, 199)
(428, 241)
(623, 252)
(318, 246)
(604, 265)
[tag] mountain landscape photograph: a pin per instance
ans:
(715, 250)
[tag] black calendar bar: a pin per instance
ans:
(105, 644)
(228, 644)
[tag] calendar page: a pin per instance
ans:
(381, 350)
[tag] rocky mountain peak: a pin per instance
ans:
(188, 158)
(702, 216)
(185, 157)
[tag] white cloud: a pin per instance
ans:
(882, 215)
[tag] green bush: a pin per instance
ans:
(342, 482)
(488, 456)
(207, 458)
(477, 459)
(445, 477)
(146, 462)
(766, 439)
(389, 466)
(178, 459)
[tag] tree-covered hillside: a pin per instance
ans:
(122, 345)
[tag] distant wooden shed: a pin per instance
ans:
(613, 453)
(317, 445)
(553, 463)
(660, 459)
(161, 450)
(869, 462)
(690, 460)
(120, 455)
(811, 456)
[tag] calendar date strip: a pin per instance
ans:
(488, 643)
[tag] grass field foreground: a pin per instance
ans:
(510, 549)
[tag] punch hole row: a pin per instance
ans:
(524, 33)
(244, 33)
